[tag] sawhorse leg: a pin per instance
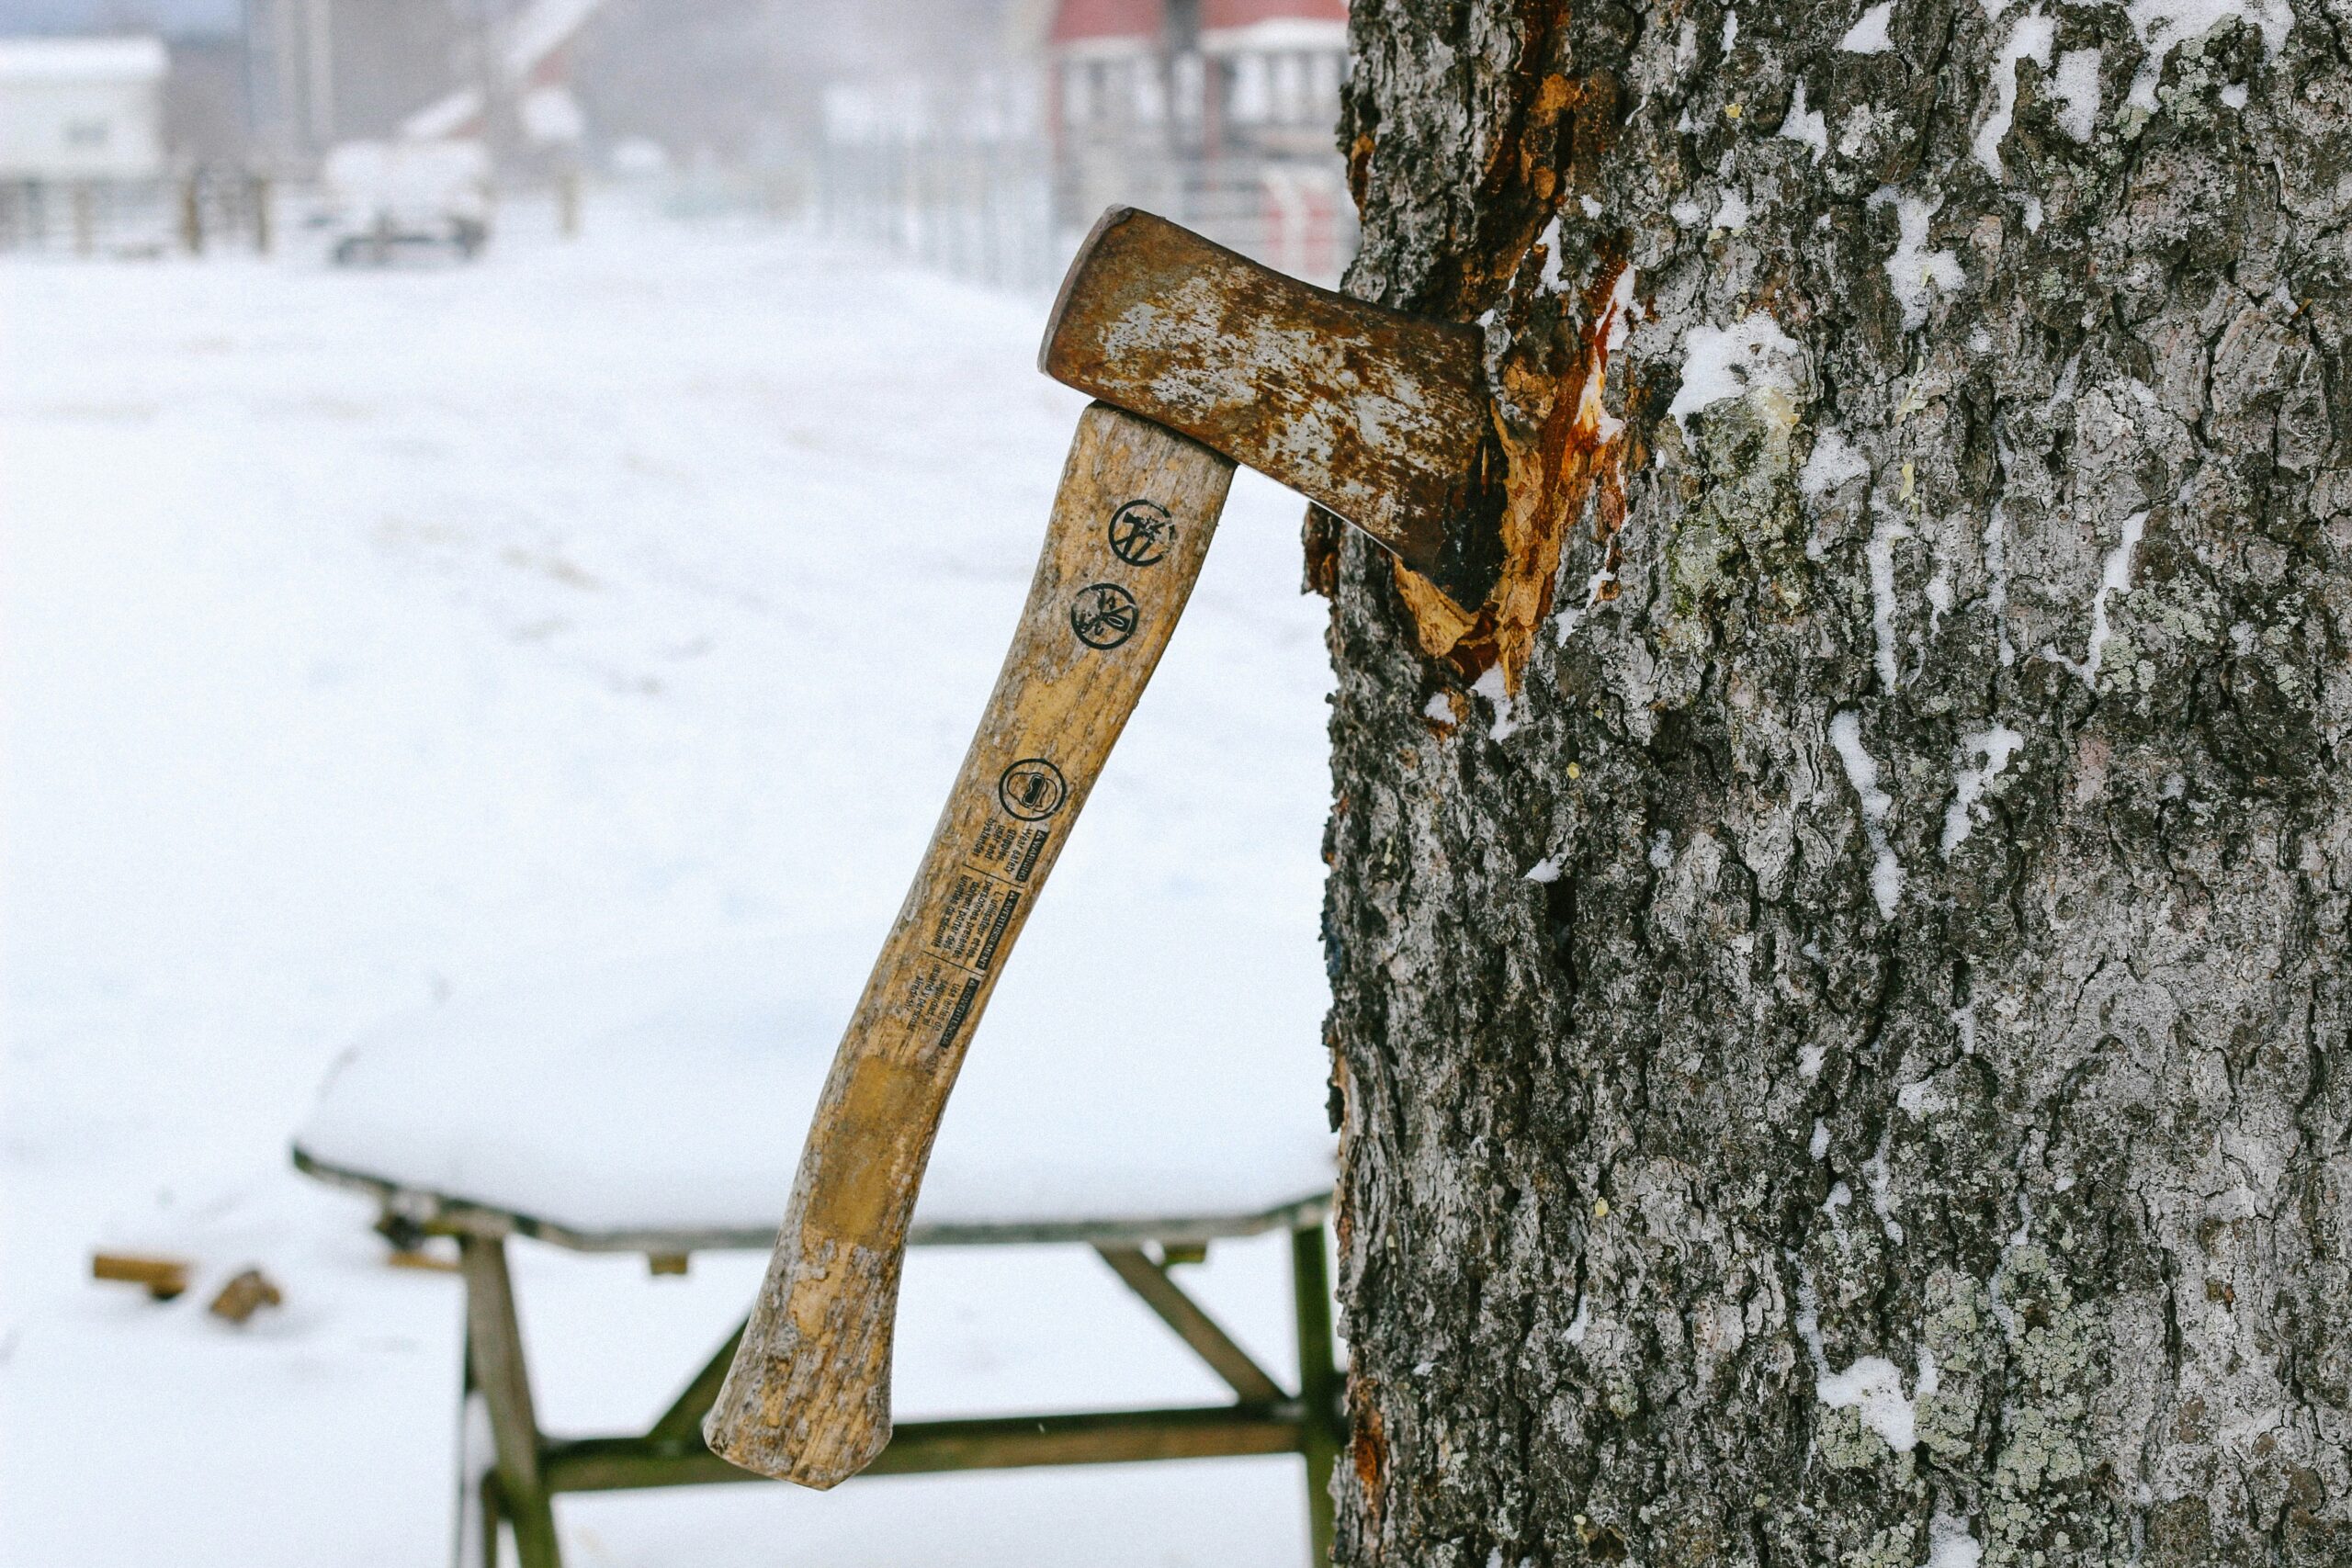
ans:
(495, 1368)
(477, 1509)
(1318, 1383)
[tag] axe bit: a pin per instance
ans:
(1202, 359)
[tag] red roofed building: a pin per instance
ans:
(1108, 67)
(1209, 72)
(1075, 19)
(1278, 65)
(1220, 113)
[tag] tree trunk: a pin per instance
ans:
(1841, 963)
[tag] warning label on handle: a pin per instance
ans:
(940, 998)
(966, 926)
(971, 922)
(1007, 850)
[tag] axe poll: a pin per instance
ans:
(1200, 359)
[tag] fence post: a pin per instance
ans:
(86, 219)
(192, 213)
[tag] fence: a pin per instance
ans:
(978, 190)
(1290, 212)
(981, 195)
(193, 212)
(981, 211)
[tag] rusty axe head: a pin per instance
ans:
(1379, 417)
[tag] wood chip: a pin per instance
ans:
(417, 1257)
(245, 1295)
(164, 1276)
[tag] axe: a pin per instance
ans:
(1201, 359)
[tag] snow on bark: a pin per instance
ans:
(1752, 356)
(1834, 461)
(1869, 35)
(1886, 527)
(2115, 578)
(1871, 1386)
(1914, 269)
(1493, 686)
(2078, 92)
(1981, 757)
(1808, 128)
(1874, 1387)
(2030, 37)
(1843, 1032)
(1862, 772)
(1950, 1544)
(2165, 25)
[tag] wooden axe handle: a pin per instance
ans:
(808, 1396)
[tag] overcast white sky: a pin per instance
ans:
(77, 15)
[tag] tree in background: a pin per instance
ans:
(1841, 963)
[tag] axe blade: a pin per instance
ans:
(1379, 416)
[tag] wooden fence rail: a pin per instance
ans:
(1008, 213)
(197, 210)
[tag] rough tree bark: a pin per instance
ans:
(1840, 988)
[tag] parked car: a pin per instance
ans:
(387, 199)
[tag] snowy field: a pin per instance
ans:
(373, 639)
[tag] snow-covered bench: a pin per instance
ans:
(1143, 1109)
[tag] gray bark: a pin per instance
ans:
(1935, 1147)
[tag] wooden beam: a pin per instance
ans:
(494, 1350)
(1193, 1325)
(683, 1421)
(1002, 1442)
(1319, 1387)
(438, 1215)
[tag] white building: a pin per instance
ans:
(82, 109)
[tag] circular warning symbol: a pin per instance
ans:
(1142, 533)
(1031, 789)
(1105, 615)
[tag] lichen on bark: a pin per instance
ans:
(1907, 1115)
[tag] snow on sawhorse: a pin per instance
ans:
(637, 1110)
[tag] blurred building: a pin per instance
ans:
(1210, 77)
(205, 120)
(321, 72)
(324, 72)
(76, 109)
(1274, 69)
(1218, 112)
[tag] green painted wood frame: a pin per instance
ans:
(527, 1470)
(523, 1470)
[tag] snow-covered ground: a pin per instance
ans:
(374, 638)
